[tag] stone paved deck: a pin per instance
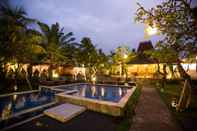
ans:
(152, 114)
(87, 121)
(64, 112)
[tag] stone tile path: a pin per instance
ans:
(152, 114)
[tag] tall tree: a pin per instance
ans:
(166, 57)
(103, 60)
(176, 21)
(121, 57)
(162, 54)
(14, 43)
(92, 58)
(54, 40)
(14, 26)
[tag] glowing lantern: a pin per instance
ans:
(151, 30)
(125, 56)
(174, 102)
(94, 79)
(55, 74)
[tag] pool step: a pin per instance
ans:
(64, 112)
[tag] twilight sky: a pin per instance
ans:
(109, 23)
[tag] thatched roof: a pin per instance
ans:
(144, 46)
(142, 58)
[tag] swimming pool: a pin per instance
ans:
(108, 99)
(15, 104)
(98, 92)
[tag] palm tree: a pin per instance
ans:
(14, 23)
(92, 58)
(54, 40)
(121, 57)
(13, 34)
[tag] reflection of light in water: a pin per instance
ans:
(102, 91)
(120, 91)
(124, 91)
(9, 106)
(20, 103)
(33, 98)
(83, 91)
(6, 111)
(44, 98)
(93, 88)
(14, 97)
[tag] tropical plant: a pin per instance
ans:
(121, 57)
(176, 21)
(54, 42)
(14, 26)
(14, 45)
(165, 55)
(90, 57)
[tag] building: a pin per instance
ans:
(142, 66)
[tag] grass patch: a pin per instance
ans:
(126, 120)
(188, 118)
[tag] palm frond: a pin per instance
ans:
(44, 28)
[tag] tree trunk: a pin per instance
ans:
(85, 74)
(26, 76)
(29, 71)
(182, 72)
(120, 70)
(164, 75)
(28, 82)
(50, 73)
(185, 97)
(158, 67)
(171, 70)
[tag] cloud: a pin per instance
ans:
(109, 23)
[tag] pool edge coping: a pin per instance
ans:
(118, 106)
(121, 103)
(31, 110)
(18, 93)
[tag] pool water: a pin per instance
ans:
(99, 92)
(26, 103)
(17, 103)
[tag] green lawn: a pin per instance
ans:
(126, 121)
(188, 118)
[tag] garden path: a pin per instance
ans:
(151, 114)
